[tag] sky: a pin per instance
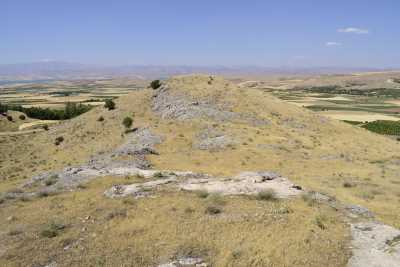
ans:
(291, 33)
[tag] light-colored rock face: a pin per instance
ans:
(375, 245)
(247, 183)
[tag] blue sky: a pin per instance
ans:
(350, 33)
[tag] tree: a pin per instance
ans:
(109, 104)
(155, 84)
(127, 122)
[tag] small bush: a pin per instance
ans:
(45, 193)
(189, 210)
(267, 195)
(158, 175)
(202, 193)
(52, 230)
(127, 122)
(213, 210)
(216, 199)
(9, 118)
(22, 117)
(15, 232)
(155, 84)
(109, 104)
(116, 213)
(101, 118)
(45, 127)
(348, 185)
(81, 186)
(59, 140)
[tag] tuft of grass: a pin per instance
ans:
(46, 193)
(216, 199)
(348, 185)
(309, 199)
(82, 186)
(320, 222)
(213, 210)
(129, 201)
(120, 213)
(202, 193)
(52, 230)
(267, 195)
(189, 210)
(15, 191)
(15, 232)
(158, 175)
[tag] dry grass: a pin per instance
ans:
(295, 144)
(155, 229)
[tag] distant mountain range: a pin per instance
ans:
(66, 70)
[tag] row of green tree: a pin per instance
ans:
(70, 111)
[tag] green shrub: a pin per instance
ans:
(127, 122)
(9, 118)
(155, 84)
(109, 104)
(22, 117)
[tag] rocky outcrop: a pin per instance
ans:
(246, 183)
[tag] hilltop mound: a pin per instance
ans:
(202, 131)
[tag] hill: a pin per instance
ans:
(192, 180)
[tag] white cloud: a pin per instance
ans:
(333, 44)
(354, 30)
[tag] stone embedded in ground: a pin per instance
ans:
(374, 244)
(185, 262)
(247, 183)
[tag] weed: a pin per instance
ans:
(202, 193)
(213, 210)
(267, 195)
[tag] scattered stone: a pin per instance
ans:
(357, 211)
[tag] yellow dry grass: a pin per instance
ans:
(147, 232)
